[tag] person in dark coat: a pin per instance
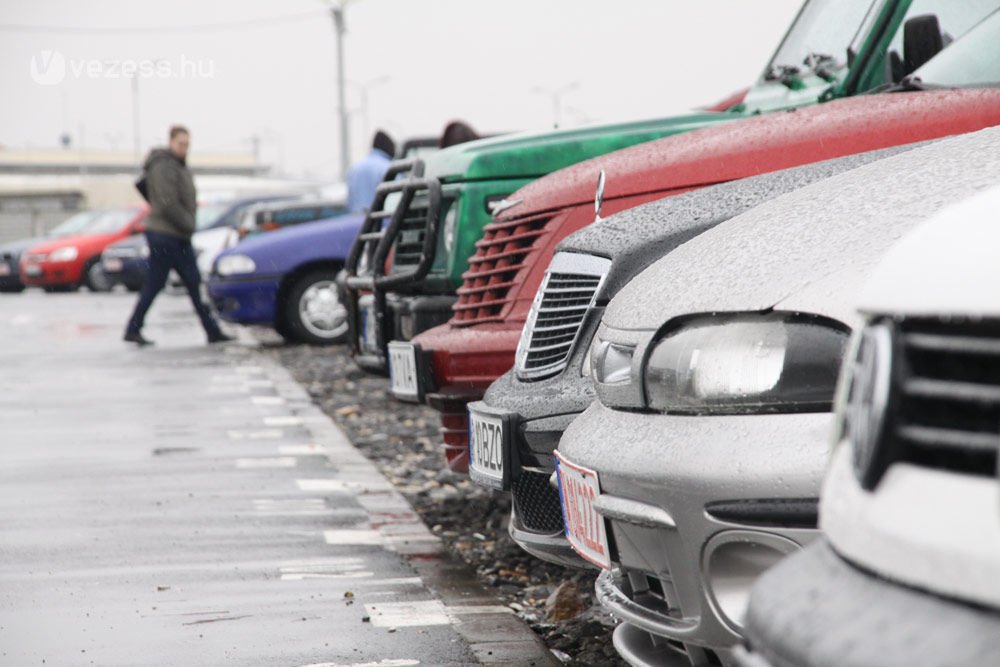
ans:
(168, 186)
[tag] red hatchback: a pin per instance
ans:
(71, 261)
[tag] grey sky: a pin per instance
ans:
(274, 76)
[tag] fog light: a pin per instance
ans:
(733, 563)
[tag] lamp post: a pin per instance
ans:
(339, 29)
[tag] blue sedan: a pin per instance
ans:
(287, 279)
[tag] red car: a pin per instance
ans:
(68, 262)
(453, 364)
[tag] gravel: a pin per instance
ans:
(402, 439)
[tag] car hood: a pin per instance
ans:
(83, 241)
(809, 250)
(947, 266)
(529, 155)
(765, 143)
(635, 238)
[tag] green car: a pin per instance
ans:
(427, 216)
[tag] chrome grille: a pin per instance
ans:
(567, 293)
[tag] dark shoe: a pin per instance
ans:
(137, 339)
(220, 338)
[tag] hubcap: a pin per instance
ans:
(321, 312)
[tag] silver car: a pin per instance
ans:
(909, 572)
(700, 464)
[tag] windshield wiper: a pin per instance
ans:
(821, 64)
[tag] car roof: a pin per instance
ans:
(809, 250)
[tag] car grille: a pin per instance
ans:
(947, 388)
(409, 245)
(36, 257)
(537, 503)
(567, 293)
(493, 269)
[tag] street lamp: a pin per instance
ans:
(556, 94)
(339, 29)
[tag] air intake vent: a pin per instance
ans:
(565, 297)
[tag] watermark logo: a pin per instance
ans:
(48, 68)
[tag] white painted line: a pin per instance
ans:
(405, 662)
(259, 384)
(225, 391)
(302, 450)
(286, 420)
(408, 614)
(267, 400)
(272, 462)
(249, 370)
(479, 609)
(263, 434)
(353, 537)
(303, 576)
(343, 486)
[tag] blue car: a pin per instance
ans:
(287, 279)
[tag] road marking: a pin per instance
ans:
(408, 614)
(302, 450)
(354, 537)
(249, 370)
(261, 434)
(376, 485)
(267, 462)
(267, 400)
(405, 662)
(285, 420)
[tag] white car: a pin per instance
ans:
(909, 572)
(701, 463)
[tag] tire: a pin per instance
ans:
(12, 289)
(132, 286)
(312, 312)
(94, 277)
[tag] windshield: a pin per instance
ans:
(819, 37)
(972, 60)
(112, 221)
(208, 214)
(74, 224)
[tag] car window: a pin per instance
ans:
(972, 60)
(112, 221)
(75, 223)
(954, 18)
(208, 214)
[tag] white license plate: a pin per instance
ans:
(488, 456)
(33, 270)
(403, 371)
(112, 264)
(585, 528)
(4, 269)
(367, 317)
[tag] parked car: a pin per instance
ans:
(10, 253)
(269, 216)
(700, 464)
(416, 242)
(525, 416)
(908, 568)
(287, 280)
(126, 261)
(68, 262)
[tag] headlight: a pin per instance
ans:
(450, 224)
(234, 264)
(733, 364)
(67, 254)
(610, 363)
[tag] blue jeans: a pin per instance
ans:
(169, 252)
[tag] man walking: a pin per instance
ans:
(173, 201)
(365, 176)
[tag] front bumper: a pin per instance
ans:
(51, 274)
(10, 278)
(862, 621)
(739, 491)
(402, 317)
(245, 301)
(129, 271)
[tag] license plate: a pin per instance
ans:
(403, 371)
(367, 317)
(585, 528)
(33, 270)
(489, 448)
(112, 264)
(4, 269)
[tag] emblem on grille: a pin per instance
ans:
(866, 403)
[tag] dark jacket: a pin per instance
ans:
(172, 196)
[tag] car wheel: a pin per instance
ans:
(12, 289)
(94, 277)
(132, 286)
(312, 311)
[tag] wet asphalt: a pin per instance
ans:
(187, 504)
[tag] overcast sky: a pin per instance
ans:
(234, 69)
